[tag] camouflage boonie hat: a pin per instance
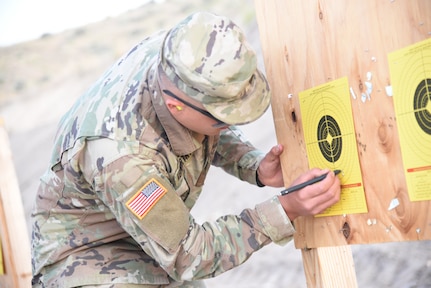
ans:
(207, 57)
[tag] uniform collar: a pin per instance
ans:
(180, 138)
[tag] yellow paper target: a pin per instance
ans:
(411, 84)
(331, 142)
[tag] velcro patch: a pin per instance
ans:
(146, 197)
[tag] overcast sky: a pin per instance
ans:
(22, 20)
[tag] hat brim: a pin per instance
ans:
(245, 109)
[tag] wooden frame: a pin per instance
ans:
(309, 43)
(13, 229)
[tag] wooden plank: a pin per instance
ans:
(329, 267)
(13, 229)
(309, 43)
(1, 259)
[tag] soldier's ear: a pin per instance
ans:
(174, 105)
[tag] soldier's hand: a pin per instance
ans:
(269, 171)
(312, 199)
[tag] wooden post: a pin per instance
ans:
(13, 229)
(309, 43)
(329, 267)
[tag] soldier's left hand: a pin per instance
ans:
(269, 171)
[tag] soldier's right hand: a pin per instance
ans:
(312, 199)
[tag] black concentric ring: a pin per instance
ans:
(329, 138)
(421, 104)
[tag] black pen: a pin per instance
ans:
(306, 183)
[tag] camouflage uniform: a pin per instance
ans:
(114, 206)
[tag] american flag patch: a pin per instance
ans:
(142, 202)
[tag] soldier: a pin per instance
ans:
(132, 154)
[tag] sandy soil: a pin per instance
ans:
(40, 79)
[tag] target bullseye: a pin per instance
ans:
(329, 138)
(421, 105)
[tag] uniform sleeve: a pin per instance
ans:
(165, 229)
(237, 156)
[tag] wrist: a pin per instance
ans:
(290, 212)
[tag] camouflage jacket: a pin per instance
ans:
(114, 207)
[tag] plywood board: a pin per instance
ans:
(309, 43)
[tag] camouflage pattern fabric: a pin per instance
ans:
(113, 208)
